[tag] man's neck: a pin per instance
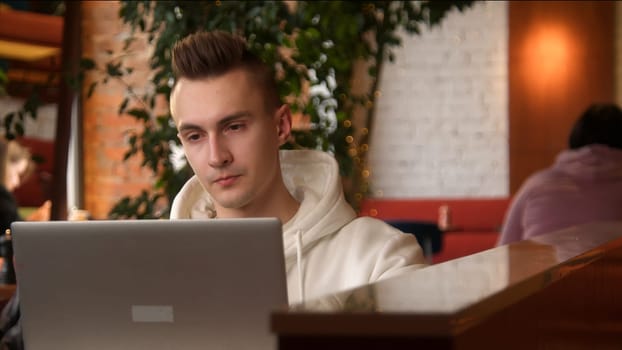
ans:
(281, 205)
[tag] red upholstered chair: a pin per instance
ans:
(474, 222)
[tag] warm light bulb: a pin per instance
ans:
(549, 50)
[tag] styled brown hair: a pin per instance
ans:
(204, 55)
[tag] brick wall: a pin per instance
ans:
(106, 177)
(441, 121)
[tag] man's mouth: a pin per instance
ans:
(226, 180)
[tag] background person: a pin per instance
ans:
(15, 166)
(583, 185)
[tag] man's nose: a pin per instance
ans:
(219, 154)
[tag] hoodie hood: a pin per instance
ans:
(590, 163)
(193, 202)
(312, 177)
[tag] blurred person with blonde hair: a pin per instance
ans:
(16, 165)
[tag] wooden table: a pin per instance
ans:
(559, 291)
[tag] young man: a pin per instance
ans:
(232, 123)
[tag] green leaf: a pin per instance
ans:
(139, 114)
(114, 69)
(19, 129)
(91, 89)
(87, 63)
(3, 77)
(123, 105)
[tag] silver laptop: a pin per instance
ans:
(149, 284)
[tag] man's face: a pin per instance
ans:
(229, 138)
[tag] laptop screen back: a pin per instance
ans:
(149, 284)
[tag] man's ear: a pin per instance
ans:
(283, 124)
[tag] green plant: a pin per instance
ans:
(3, 81)
(13, 121)
(313, 44)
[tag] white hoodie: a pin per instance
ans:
(327, 248)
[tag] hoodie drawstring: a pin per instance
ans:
(301, 290)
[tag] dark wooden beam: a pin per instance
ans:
(47, 93)
(71, 50)
(50, 64)
(31, 28)
(38, 29)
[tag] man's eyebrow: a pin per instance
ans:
(233, 117)
(223, 121)
(187, 126)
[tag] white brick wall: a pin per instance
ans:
(44, 127)
(441, 126)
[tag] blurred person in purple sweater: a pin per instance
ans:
(583, 185)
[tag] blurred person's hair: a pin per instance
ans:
(599, 124)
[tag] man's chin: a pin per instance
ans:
(231, 202)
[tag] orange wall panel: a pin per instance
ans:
(561, 59)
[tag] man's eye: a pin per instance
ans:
(235, 127)
(193, 137)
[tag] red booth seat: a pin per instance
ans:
(474, 222)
